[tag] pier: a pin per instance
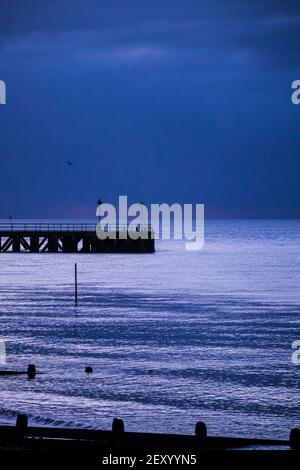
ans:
(71, 238)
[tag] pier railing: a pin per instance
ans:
(49, 227)
(62, 227)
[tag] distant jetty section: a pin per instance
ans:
(72, 238)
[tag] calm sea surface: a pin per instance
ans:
(215, 327)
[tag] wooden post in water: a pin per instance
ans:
(76, 293)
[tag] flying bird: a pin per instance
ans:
(69, 163)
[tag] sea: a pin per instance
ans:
(173, 337)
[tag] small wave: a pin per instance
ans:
(10, 416)
(7, 413)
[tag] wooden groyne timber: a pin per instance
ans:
(22, 444)
(30, 372)
(43, 438)
(71, 238)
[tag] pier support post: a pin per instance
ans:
(34, 244)
(53, 244)
(16, 246)
(86, 244)
(69, 244)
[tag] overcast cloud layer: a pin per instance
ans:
(178, 100)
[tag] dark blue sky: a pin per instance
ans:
(165, 101)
